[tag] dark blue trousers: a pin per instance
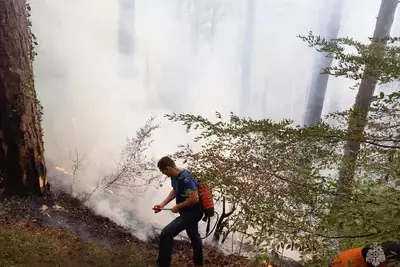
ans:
(188, 222)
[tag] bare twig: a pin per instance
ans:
(134, 170)
(77, 165)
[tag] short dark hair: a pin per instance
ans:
(166, 162)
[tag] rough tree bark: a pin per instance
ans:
(22, 164)
(358, 116)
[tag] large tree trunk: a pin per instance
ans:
(358, 116)
(319, 82)
(22, 164)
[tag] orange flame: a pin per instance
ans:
(266, 264)
(59, 169)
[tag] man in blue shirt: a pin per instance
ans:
(185, 191)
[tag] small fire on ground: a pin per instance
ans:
(55, 207)
(59, 169)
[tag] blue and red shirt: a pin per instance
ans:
(183, 185)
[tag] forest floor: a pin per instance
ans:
(60, 231)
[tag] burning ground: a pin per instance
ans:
(57, 230)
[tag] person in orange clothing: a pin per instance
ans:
(369, 256)
(351, 257)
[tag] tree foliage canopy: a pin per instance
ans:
(352, 57)
(282, 178)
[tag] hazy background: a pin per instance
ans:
(97, 87)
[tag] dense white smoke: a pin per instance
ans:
(181, 64)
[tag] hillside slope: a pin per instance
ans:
(50, 231)
(61, 232)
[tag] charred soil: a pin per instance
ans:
(60, 231)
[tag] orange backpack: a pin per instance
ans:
(206, 199)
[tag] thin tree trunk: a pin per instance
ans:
(126, 31)
(222, 221)
(22, 163)
(126, 26)
(213, 22)
(358, 116)
(247, 55)
(319, 82)
(195, 26)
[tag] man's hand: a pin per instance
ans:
(157, 208)
(175, 209)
